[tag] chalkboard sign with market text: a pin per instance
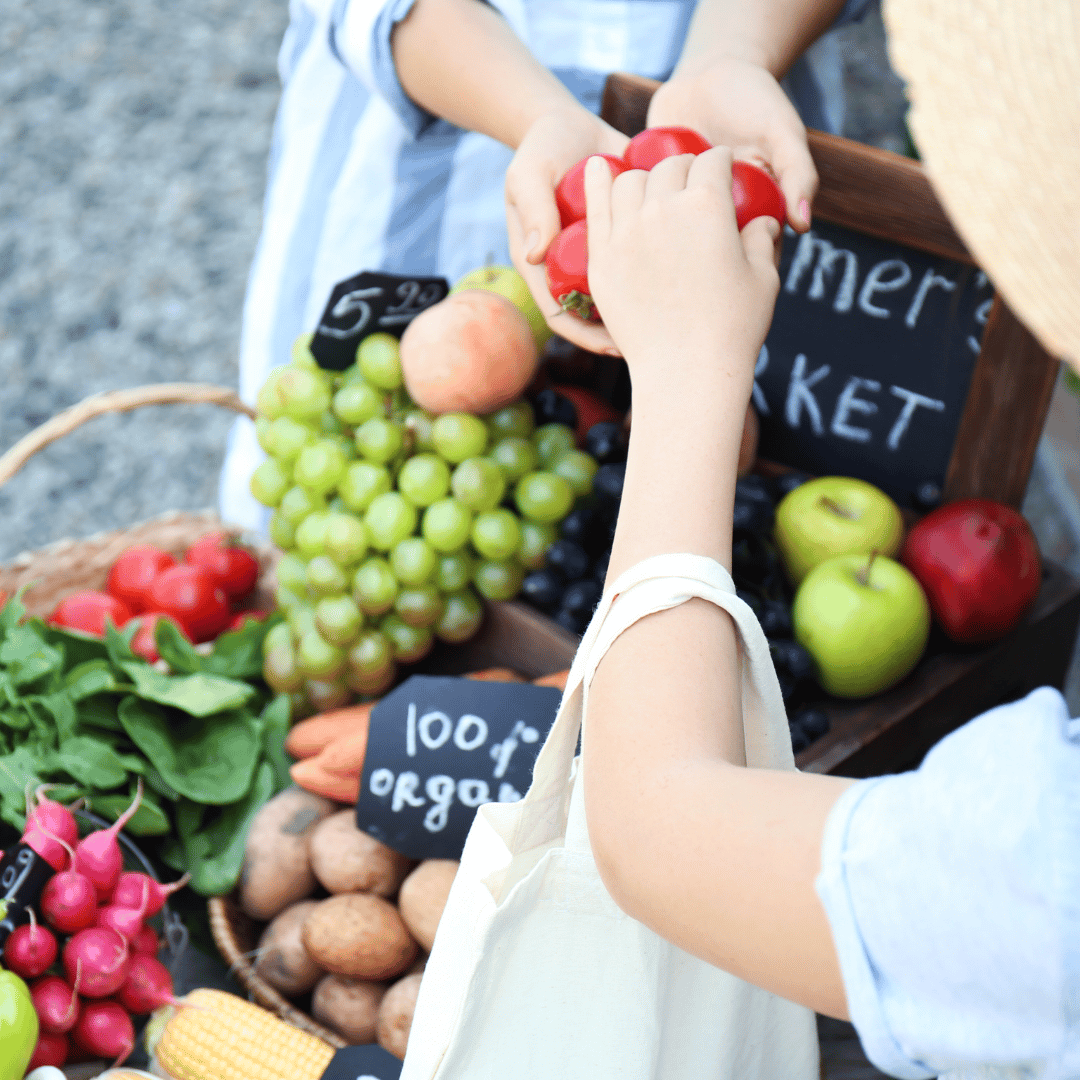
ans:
(912, 371)
(867, 364)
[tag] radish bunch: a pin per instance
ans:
(90, 959)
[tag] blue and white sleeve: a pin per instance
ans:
(952, 892)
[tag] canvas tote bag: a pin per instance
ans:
(536, 974)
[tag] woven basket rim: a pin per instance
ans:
(222, 910)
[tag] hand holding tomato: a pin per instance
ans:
(740, 104)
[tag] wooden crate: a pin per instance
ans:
(886, 196)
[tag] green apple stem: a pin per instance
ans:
(863, 575)
(837, 509)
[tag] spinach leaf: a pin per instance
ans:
(28, 657)
(16, 719)
(198, 695)
(275, 719)
(176, 650)
(156, 782)
(210, 760)
(88, 678)
(215, 854)
(149, 820)
(118, 645)
(63, 713)
(16, 769)
(77, 648)
(12, 613)
(100, 712)
(239, 655)
(92, 762)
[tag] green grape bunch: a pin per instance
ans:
(395, 525)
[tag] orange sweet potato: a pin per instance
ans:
(337, 787)
(556, 679)
(313, 735)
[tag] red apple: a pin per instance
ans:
(978, 562)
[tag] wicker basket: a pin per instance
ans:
(67, 566)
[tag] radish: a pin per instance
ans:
(98, 855)
(50, 828)
(127, 922)
(148, 987)
(129, 891)
(30, 949)
(56, 1004)
(96, 960)
(105, 1029)
(51, 1049)
(146, 942)
(68, 901)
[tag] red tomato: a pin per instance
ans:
(88, 610)
(654, 144)
(241, 617)
(133, 573)
(591, 409)
(190, 595)
(756, 194)
(232, 566)
(978, 562)
(143, 643)
(570, 194)
(567, 263)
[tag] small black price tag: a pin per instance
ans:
(367, 304)
(440, 747)
(369, 1062)
(23, 874)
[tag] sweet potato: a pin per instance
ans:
(359, 935)
(495, 674)
(276, 870)
(313, 735)
(349, 1006)
(344, 859)
(282, 959)
(556, 679)
(311, 776)
(395, 1015)
(423, 897)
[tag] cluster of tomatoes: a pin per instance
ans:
(198, 594)
(754, 192)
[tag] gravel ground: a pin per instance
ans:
(133, 145)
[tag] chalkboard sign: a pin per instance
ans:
(368, 1062)
(23, 875)
(913, 375)
(440, 747)
(366, 304)
(866, 368)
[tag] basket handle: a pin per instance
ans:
(116, 401)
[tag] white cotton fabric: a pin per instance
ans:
(537, 974)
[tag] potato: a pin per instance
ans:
(423, 897)
(395, 1015)
(345, 859)
(282, 959)
(359, 935)
(349, 1006)
(277, 871)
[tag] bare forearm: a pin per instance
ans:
(771, 33)
(460, 60)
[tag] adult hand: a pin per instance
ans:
(737, 103)
(663, 246)
(553, 143)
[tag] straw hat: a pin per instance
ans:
(995, 93)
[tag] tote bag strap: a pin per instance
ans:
(658, 584)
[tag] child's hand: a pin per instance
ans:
(737, 103)
(554, 143)
(683, 294)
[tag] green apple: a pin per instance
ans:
(507, 282)
(835, 515)
(864, 619)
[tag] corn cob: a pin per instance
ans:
(226, 1038)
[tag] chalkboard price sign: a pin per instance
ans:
(367, 304)
(440, 747)
(368, 1062)
(23, 875)
(866, 368)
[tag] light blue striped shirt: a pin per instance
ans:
(360, 178)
